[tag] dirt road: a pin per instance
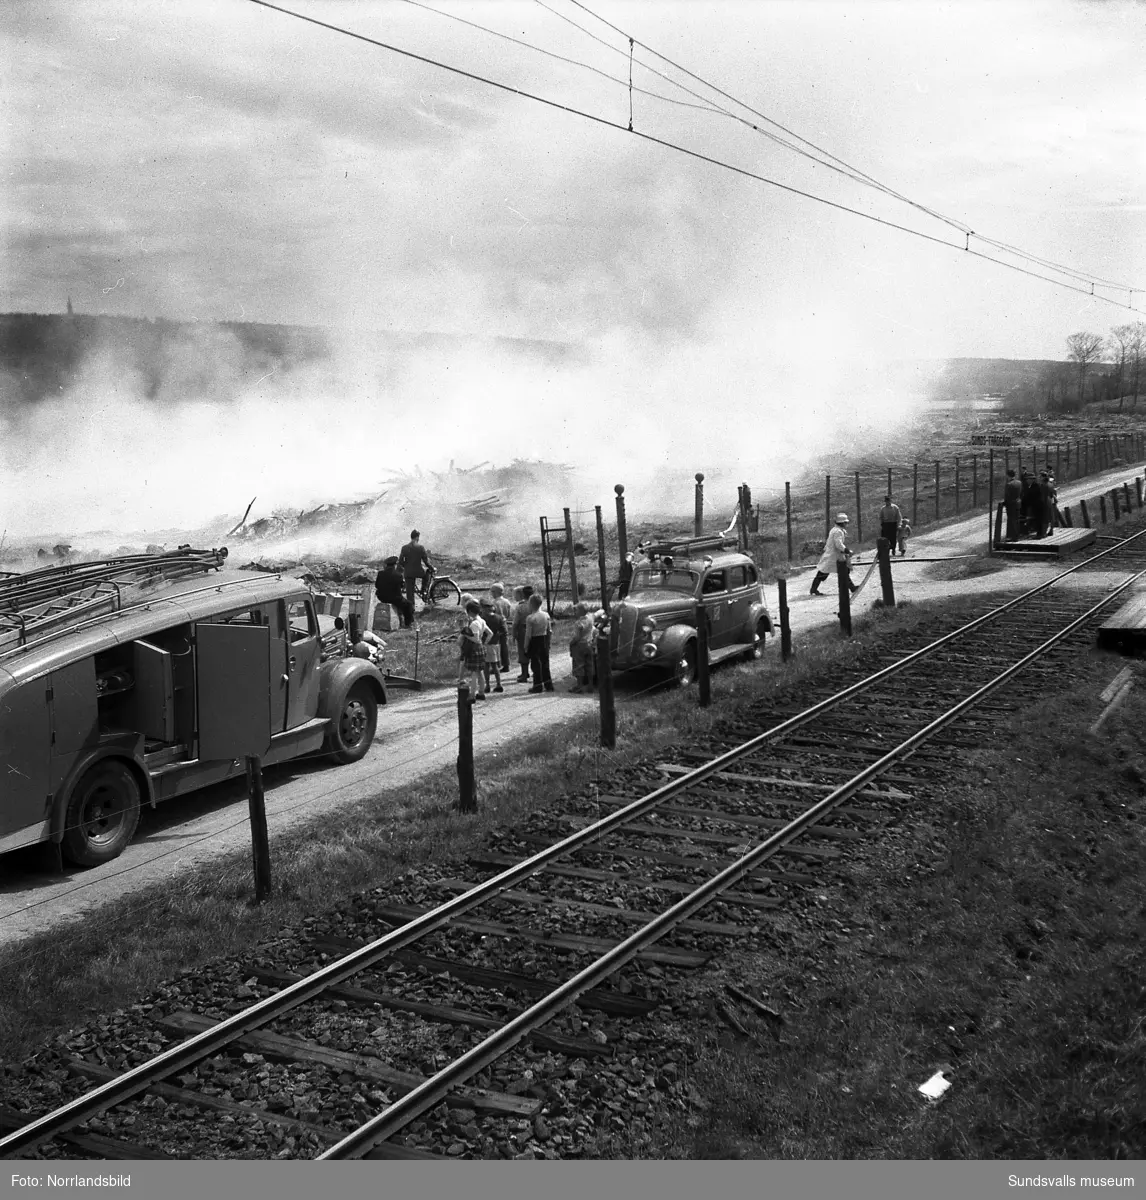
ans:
(418, 734)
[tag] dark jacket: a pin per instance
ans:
(388, 586)
(413, 560)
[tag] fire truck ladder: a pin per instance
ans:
(41, 601)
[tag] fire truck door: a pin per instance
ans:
(232, 670)
(25, 738)
(303, 653)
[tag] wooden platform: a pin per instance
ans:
(1126, 629)
(1056, 545)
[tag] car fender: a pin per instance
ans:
(128, 749)
(673, 641)
(759, 609)
(336, 679)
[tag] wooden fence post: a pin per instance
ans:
(788, 516)
(889, 491)
(974, 481)
(1138, 489)
(1102, 506)
(1085, 513)
(827, 505)
(698, 513)
(605, 691)
(704, 684)
(915, 496)
(937, 489)
(467, 785)
(991, 498)
(956, 484)
(260, 843)
(1114, 503)
(844, 578)
(622, 530)
(785, 622)
(883, 549)
(1126, 496)
(601, 567)
(569, 546)
(859, 511)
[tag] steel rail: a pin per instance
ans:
(201, 1045)
(430, 1093)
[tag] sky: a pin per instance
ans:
(214, 160)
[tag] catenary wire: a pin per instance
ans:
(668, 145)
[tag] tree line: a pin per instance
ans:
(1097, 368)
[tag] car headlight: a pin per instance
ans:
(649, 650)
(648, 624)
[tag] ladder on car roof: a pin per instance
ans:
(53, 597)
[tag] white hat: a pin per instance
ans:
(841, 518)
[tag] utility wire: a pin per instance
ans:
(854, 172)
(648, 137)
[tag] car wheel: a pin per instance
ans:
(101, 816)
(684, 670)
(756, 650)
(353, 731)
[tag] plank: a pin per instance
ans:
(366, 1066)
(94, 1145)
(574, 1047)
(728, 929)
(780, 781)
(722, 839)
(594, 998)
(400, 914)
(488, 861)
(756, 822)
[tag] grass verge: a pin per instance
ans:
(996, 933)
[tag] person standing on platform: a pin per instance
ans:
(835, 551)
(413, 562)
(1047, 495)
(519, 619)
(889, 521)
(1012, 501)
(538, 628)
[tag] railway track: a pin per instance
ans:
(502, 991)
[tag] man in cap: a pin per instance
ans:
(388, 587)
(835, 551)
(889, 521)
(1012, 502)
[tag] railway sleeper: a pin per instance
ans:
(727, 839)
(700, 864)
(93, 1145)
(289, 1049)
(757, 822)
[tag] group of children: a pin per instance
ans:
(483, 640)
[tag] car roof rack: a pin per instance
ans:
(58, 596)
(687, 547)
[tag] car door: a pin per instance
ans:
(303, 654)
(742, 591)
(714, 595)
(25, 744)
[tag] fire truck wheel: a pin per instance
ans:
(102, 814)
(756, 650)
(351, 735)
(684, 672)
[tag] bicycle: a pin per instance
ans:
(435, 589)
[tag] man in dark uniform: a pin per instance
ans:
(412, 563)
(1047, 496)
(1012, 497)
(388, 588)
(1031, 504)
(889, 521)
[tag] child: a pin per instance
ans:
(474, 635)
(904, 534)
(504, 609)
(493, 647)
(536, 640)
(581, 646)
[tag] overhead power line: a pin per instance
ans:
(852, 172)
(668, 145)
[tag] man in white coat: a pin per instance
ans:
(835, 551)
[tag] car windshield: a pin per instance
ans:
(662, 579)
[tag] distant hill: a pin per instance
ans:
(966, 378)
(42, 355)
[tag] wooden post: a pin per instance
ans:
(1006, 459)
(698, 515)
(417, 640)
(956, 484)
(744, 505)
(1126, 496)
(1085, 513)
(1114, 503)
(827, 505)
(260, 843)
(572, 556)
(788, 516)
(785, 622)
(889, 491)
(546, 564)
(1057, 459)
(883, 549)
(605, 691)
(998, 541)
(1067, 519)
(601, 567)
(1020, 468)
(915, 496)
(859, 511)
(991, 497)
(622, 530)
(1102, 506)
(702, 676)
(974, 481)
(1138, 489)
(937, 489)
(843, 575)
(467, 785)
